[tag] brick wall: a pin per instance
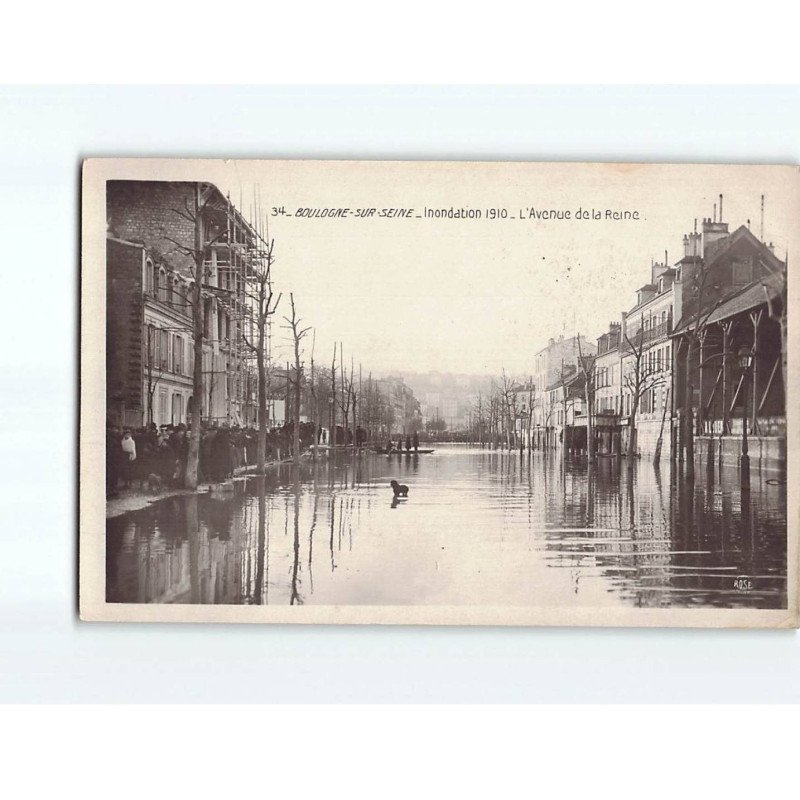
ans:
(147, 212)
(124, 314)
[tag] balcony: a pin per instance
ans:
(644, 337)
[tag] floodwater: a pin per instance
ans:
(480, 527)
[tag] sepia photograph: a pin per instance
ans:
(437, 392)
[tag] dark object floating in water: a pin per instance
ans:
(399, 489)
(384, 452)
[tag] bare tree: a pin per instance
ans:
(531, 393)
(346, 396)
(506, 394)
(548, 410)
(333, 399)
(298, 333)
(264, 306)
(641, 376)
(586, 365)
(313, 406)
(567, 401)
(199, 268)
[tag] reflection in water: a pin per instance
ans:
(480, 527)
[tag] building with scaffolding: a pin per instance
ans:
(152, 257)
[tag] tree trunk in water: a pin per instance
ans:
(296, 430)
(262, 406)
(193, 455)
(657, 454)
(632, 438)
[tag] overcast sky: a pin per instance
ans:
(475, 296)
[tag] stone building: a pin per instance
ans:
(151, 271)
(552, 364)
(608, 390)
(646, 363)
(564, 400)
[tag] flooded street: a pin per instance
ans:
(480, 527)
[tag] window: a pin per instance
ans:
(177, 300)
(151, 344)
(742, 271)
(177, 409)
(162, 407)
(162, 285)
(153, 279)
(207, 314)
(177, 355)
(164, 350)
(148, 276)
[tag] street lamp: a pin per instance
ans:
(745, 359)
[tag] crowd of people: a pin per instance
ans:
(133, 455)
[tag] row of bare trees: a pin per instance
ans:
(503, 416)
(329, 397)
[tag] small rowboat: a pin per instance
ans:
(382, 451)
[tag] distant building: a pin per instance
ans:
(553, 364)
(608, 390)
(566, 406)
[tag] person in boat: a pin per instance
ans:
(416, 442)
(389, 445)
(408, 444)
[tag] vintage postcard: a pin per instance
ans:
(439, 393)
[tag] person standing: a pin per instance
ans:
(416, 442)
(128, 456)
(408, 443)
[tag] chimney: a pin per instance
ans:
(720, 208)
(691, 245)
(713, 232)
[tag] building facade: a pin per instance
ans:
(608, 391)
(646, 365)
(729, 349)
(552, 365)
(151, 266)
